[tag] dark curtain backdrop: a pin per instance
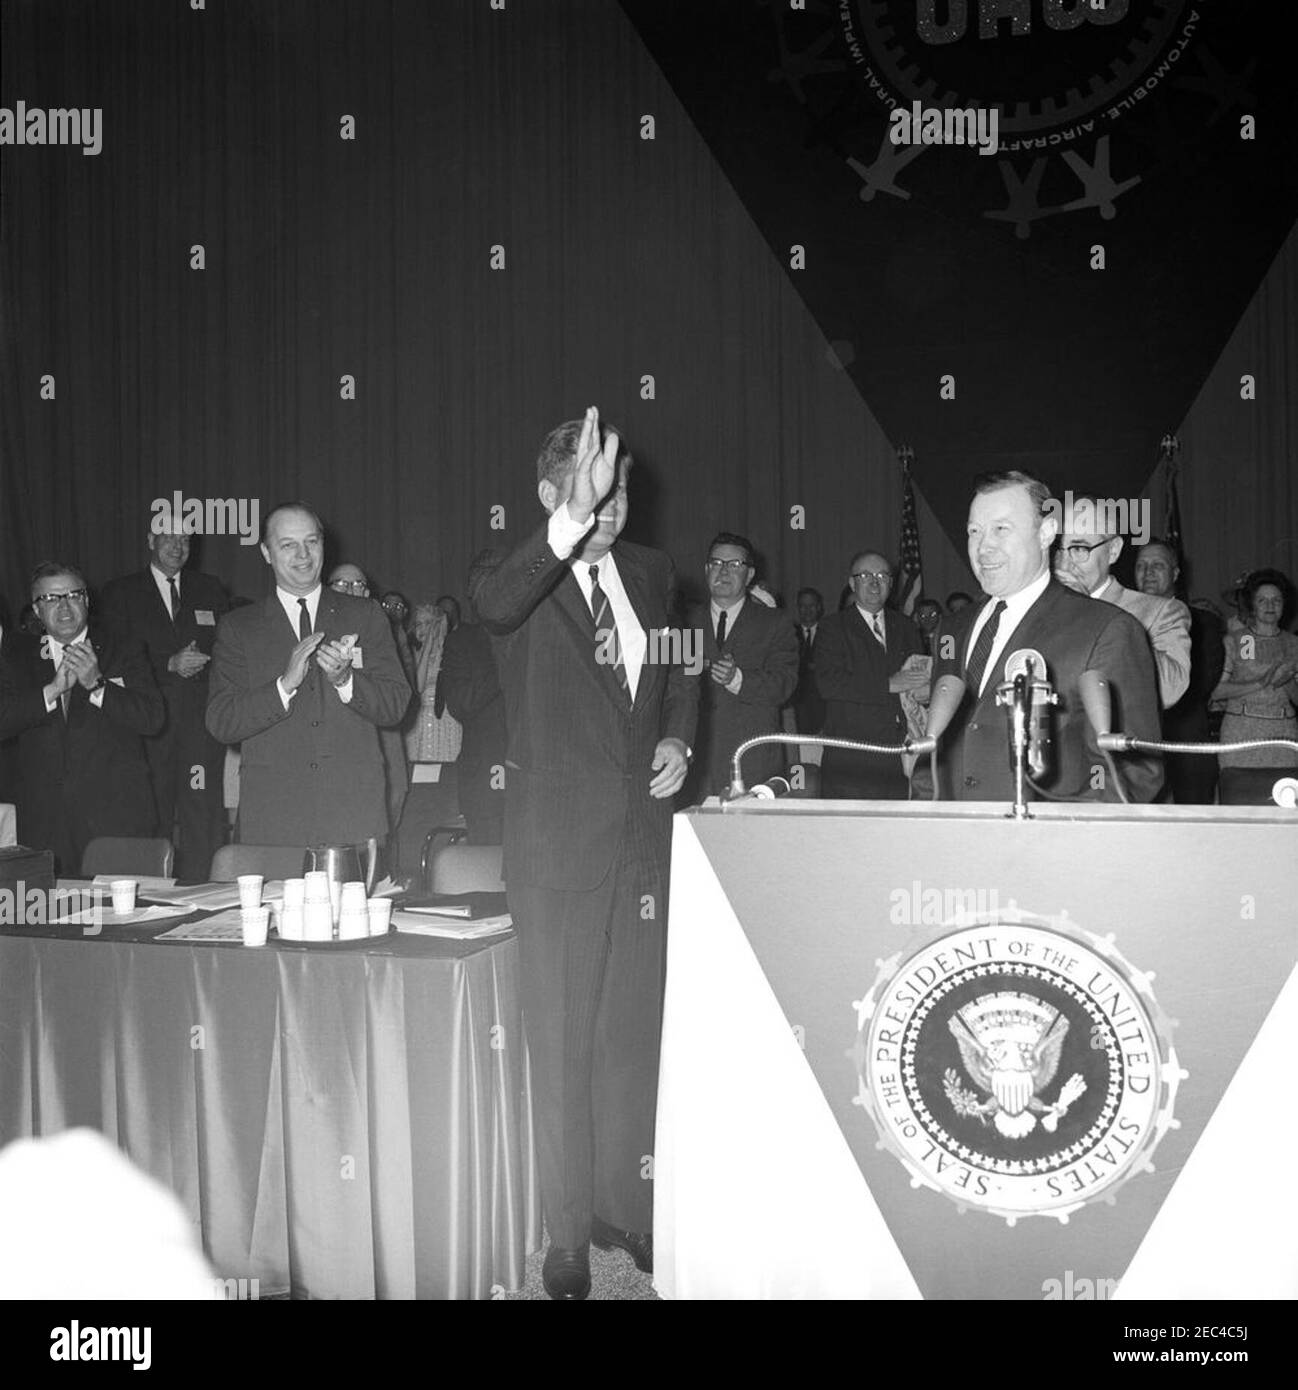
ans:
(474, 128)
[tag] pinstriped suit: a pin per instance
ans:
(586, 852)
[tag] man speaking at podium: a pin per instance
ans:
(1012, 526)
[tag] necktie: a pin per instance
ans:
(877, 625)
(64, 698)
(982, 649)
(605, 621)
(175, 598)
(721, 627)
(303, 620)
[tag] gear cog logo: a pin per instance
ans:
(1045, 65)
(1021, 1066)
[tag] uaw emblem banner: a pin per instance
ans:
(1017, 1068)
(993, 197)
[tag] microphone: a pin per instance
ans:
(1098, 704)
(1038, 696)
(763, 791)
(947, 696)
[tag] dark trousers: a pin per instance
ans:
(592, 982)
(193, 815)
(847, 776)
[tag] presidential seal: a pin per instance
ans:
(1020, 1067)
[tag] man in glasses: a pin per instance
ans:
(1084, 555)
(1012, 526)
(860, 653)
(77, 701)
(173, 611)
(349, 579)
(750, 656)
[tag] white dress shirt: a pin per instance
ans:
(292, 612)
(56, 654)
(735, 683)
(1016, 606)
(164, 588)
(870, 619)
(563, 535)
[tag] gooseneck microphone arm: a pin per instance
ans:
(737, 788)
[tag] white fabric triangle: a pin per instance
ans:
(756, 1192)
(1227, 1228)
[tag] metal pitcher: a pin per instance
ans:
(343, 862)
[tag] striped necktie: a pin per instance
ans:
(303, 620)
(605, 622)
(175, 598)
(982, 649)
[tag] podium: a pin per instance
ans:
(917, 1050)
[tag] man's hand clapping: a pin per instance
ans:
(295, 673)
(188, 661)
(85, 663)
(335, 659)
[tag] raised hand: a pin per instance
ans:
(595, 471)
(295, 673)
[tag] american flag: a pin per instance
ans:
(911, 579)
(1170, 448)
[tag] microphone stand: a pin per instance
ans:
(738, 790)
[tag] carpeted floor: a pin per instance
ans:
(613, 1275)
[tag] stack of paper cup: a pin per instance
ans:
(249, 891)
(292, 922)
(294, 892)
(353, 916)
(380, 913)
(256, 923)
(316, 886)
(318, 920)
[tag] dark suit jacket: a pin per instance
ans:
(134, 604)
(853, 670)
(578, 770)
(1187, 721)
(766, 651)
(808, 702)
(469, 686)
(314, 773)
(1074, 634)
(86, 776)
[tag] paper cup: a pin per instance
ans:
(353, 898)
(319, 925)
(352, 926)
(292, 924)
(256, 923)
(294, 892)
(316, 886)
(250, 891)
(380, 915)
(124, 895)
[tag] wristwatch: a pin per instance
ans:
(99, 684)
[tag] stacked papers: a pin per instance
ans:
(428, 923)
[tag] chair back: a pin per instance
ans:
(113, 854)
(466, 869)
(271, 861)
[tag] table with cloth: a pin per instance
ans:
(339, 1123)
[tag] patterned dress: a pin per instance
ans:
(1267, 713)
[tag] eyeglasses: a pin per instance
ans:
(879, 576)
(53, 600)
(733, 566)
(350, 586)
(1078, 554)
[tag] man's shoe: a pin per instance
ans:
(566, 1273)
(639, 1247)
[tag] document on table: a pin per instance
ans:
(425, 924)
